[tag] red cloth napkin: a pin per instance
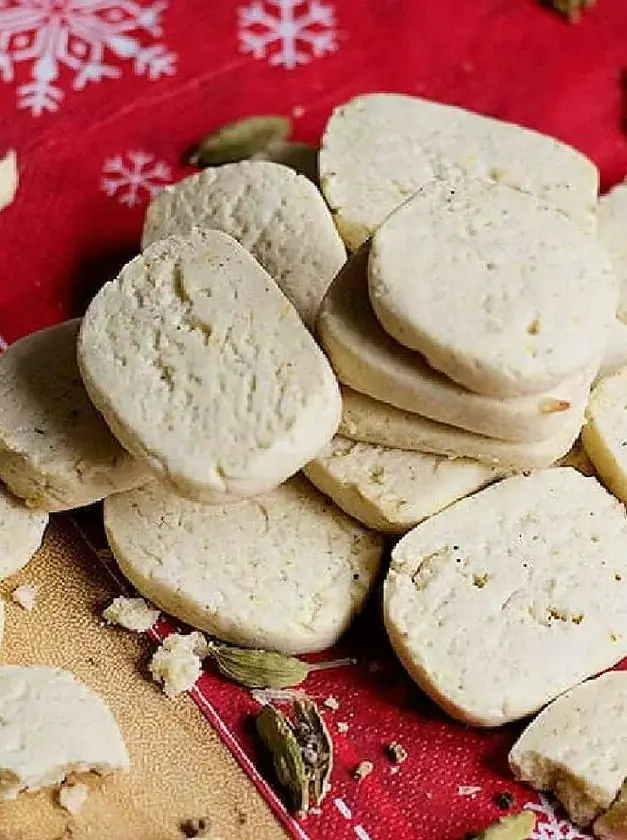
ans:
(100, 98)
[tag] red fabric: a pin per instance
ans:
(64, 235)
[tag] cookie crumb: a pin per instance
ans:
(363, 769)
(73, 797)
(177, 663)
(25, 596)
(332, 703)
(396, 752)
(342, 727)
(131, 613)
(468, 790)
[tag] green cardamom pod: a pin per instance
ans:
(258, 668)
(277, 734)
(514, 827)
(316, 746)
(239, 140)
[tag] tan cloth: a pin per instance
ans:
(180, 769)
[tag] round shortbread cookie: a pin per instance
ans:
(53, 725)
(366, 359)
(577, 747)
(488, 612)
(612, 219)
(380, 148)
(615, 356)
(56, 451)
(21, 532)
(391, 490)
(276, 214)
(604, 435)
(202, 368)
(286, 570)
(370, 421)
(500, 292)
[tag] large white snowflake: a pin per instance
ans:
(552, 826)
(134, 177)
(78, 35)
(287, 32)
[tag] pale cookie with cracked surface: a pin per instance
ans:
(366, 359)
(225, 569)
(276, 214)
(370, 421)
(21, 533)
(204, 370)
(577, 748)
(53, 725)
(604, 435)
(615, 356)
(500, 292)
(392, 490)
(380, 148)
(8, 178)
(612, 219)
(56, 451)
(486, 609)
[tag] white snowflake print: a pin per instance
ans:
(49, 35)
(287, 32)
(134, 177)
(551, 825)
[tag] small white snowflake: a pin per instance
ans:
(287, 32)
(134, 177)
(551, 825)
(78, 35)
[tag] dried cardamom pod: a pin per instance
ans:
(515, 827)
(300, 157)
(239, 140)
(264, 668)
(277, 734)
(571, 9)
(258, 668)
(302, 752)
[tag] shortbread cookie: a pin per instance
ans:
(365, 358)
(21, 533)
(615, 356)
(499, 291)
(505, 600)
(204, 370)
(380, 148)
(286, 571)
(367, 420)
(391, 490)
(56, 451)
(276, 214)
(577, 747)
(8, 178)
(605, 434)
(612, 219)
(53, 725)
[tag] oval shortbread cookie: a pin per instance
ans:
(615, 356)
(286, 570)
(53, 725)
(612, 218)
(380, 148)
(56, 451)
(202, 368)
(21, 532)
(365, 358)
(500, 292)
(505, 600)
(276, 214)
(604, 435)
(577, 747)
(370, 421)
(391, 490)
